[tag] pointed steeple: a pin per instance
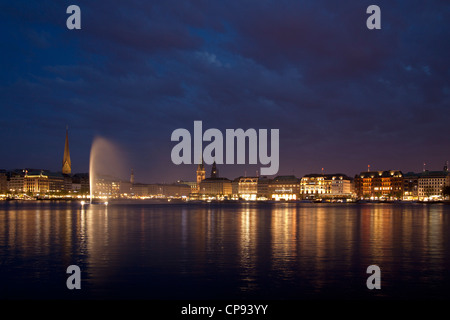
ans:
(200, 167)
(214, 172)
(201, 174)
(67, 165)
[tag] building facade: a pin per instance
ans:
(15, 183)
(326, 186)
(248, 188)
(160, 190)
(284, 188)
(341, 186)
(314, 186)
(215, 187)
(80, 183)
(3, 182)
(36, 183)
(57, 183)
(411, 186)
(379, 185)
(263, 188)
(192, 184)
(431, 184)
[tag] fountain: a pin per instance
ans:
(105, 164)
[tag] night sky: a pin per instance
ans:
(342, 96)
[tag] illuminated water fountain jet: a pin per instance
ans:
(106, 165)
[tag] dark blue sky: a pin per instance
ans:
(342, 96)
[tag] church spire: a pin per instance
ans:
(67, 165)
(214, 172)
(201, 174)
(200, 166)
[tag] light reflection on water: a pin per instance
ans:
(179, 251)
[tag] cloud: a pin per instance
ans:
(138, 70)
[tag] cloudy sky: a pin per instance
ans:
(342, 96)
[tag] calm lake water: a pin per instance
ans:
(224, 251)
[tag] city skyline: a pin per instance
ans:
(66, 169)
(370, 184)
(207, 155)
(343, 97)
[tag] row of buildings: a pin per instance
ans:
(310, 187)
(370, 185)
(22, 183)
(36, 182)
(395, 185)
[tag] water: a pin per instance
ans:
(224, 251)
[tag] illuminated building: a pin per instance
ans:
(176, 190)
(192, 184)
(235, 187)
(35, 183)
(3, 182)
(155, 190)
(263, 188)
(80, 183)
(201, 175)
(108, 186)
(248, 188)
(284, 188)
(215, 187)
(313, 186)
(103, 186)
(379, 185)
(411, 186)
(140, 189)
(15, 183)
(160, 190)
(341, 186)
(67, 165)
(323, 186)
(431, 183)
(124, 188)
(56, 182)
(195, 186)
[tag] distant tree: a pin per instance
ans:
(446, 191)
